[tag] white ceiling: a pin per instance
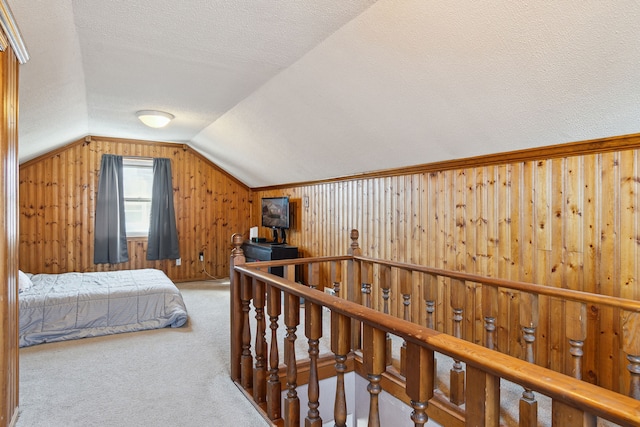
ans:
(283, 91)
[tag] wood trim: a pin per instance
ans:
(4, 43)
(9, 352)
(496, 282)
(14, 419)
(12, 32)
(601, 145)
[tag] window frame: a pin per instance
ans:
(137, 162)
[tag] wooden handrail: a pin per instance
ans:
(300, 261)
(567, 294)
(592, 399)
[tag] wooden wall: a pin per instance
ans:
(8, 235)
(57, 206)
(567, 216)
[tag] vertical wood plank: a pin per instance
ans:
(591, 264)
(57, 193)
(609, 271)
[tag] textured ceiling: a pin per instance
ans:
(286, 91)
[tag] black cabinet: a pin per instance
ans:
(267, 252)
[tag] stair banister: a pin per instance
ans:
(575, 394)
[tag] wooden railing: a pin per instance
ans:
(362, 334)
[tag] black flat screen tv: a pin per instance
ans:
(275, 212)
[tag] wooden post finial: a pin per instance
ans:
(355, 247)
(236, 241)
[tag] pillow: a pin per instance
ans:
(24, 282)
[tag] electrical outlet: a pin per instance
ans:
(201, 256)
(179, 261)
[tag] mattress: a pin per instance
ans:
(57, 307)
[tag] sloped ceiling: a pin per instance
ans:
(284, 91)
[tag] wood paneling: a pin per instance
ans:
(57, 210)
(8, 237)
(568, 221)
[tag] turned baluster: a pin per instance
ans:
(489, 312)
(291, 321)
(576, 329)
(457, 373)
(367, 280)
(385, 283)
(340, 338)
(313, 332)
(336, 276)
(631, 347)
(260, 370)
(420, 383)
(274, 388)
(529, 323)
(404, 277)
(246, 360)
(374, 364)
(354, 293)
(430, 297)
(236, 316)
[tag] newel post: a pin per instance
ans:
(237, 258)
(354, 293)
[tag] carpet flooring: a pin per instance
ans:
(166, 377)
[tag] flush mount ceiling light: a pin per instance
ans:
(154, 119)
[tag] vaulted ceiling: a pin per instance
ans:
(283, 91)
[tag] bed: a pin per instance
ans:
(57, 307)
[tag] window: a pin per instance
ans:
(138, 182)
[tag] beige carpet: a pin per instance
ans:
(166, 377)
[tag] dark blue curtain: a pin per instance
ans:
(110, 236)
(163, 235)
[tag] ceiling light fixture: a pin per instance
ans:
(154, 119)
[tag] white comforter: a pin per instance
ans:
(77, 305)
